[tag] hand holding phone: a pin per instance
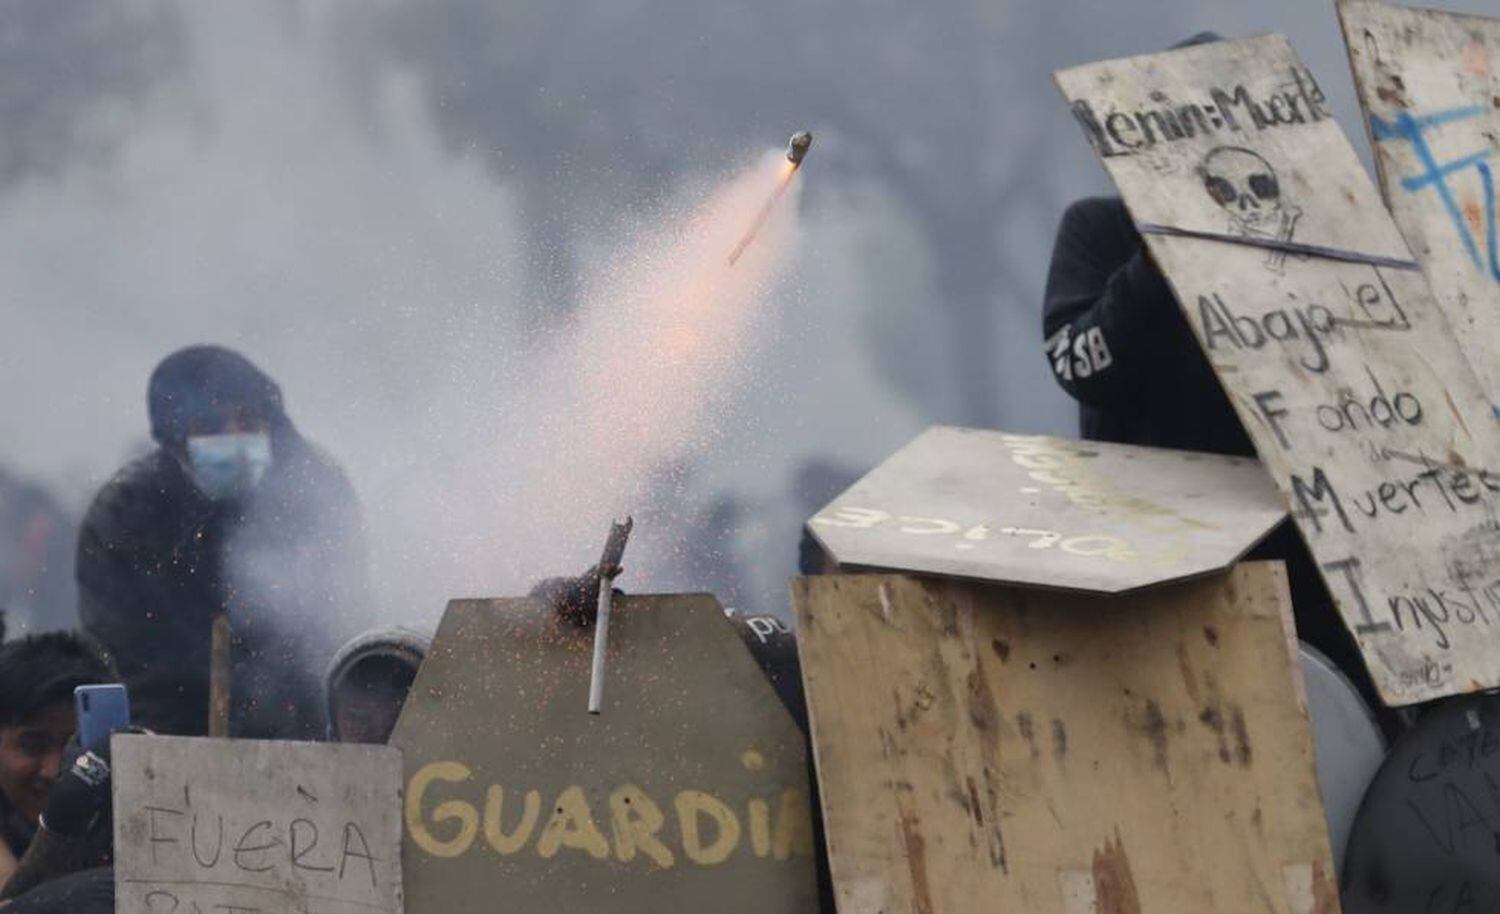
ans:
(101, 709)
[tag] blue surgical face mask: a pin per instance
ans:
(227, 467)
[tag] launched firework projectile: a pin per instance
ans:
(797, 146)
(796, 151)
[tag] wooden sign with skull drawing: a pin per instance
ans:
(1246, 186)
(1325, 336)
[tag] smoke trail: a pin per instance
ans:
(667, 331)
(640, 379)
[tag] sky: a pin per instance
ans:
(411, 213)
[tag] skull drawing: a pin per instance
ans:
(1247, 188)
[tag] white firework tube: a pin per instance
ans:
(601, 641)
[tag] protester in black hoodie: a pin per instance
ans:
(233, 512)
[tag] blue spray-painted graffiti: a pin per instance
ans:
(1413, 129)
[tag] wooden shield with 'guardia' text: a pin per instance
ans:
(1326, 337)
(688, 793)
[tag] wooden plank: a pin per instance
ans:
(1050, 512)
(248, 825)
(982, 748)
(1345, 374)
(688, 792)
(1429, 84)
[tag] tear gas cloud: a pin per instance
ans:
(377, 277)
(344, 191)
(641, 378)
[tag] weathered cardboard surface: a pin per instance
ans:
(516, 793)
(989, 749)
(1050, 512)
(1429, 84)
(249, 825)
(1346, 375)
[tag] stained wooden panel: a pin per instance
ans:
(986, 749)
(1345, 373)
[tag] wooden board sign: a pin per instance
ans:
(1049, 512)
(688, 793)
(1429, 84)
(1339, 364)
(989, 749)
(255, 826)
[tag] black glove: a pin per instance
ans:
(80, 800)
(575, 600)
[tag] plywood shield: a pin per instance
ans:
(249, 825)
(1341, 367)
(687, 794)
(1050, 512)
(1429, 84)
(986, 749)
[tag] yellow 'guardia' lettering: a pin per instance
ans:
(572, 825)
(636, 819)
(494, 801)
(466, 815)
(694, 803)
(709, 830)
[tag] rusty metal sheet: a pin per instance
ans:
(688, 793)
(1049, 512)
(254, 825)
(1346, 374)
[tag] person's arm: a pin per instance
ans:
(574, 600)
(75, 832)
(1106, 303)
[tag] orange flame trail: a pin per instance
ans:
(643, 377)
(787, 170)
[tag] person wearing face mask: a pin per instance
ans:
(233, 512)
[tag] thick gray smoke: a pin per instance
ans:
(397, 208)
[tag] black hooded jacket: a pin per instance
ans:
(1119, 343)
(157, 561)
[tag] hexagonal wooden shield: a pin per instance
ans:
(688, 793)
(1049, 512)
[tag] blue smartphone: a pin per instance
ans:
(102, 709)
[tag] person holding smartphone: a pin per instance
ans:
(37, 677)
